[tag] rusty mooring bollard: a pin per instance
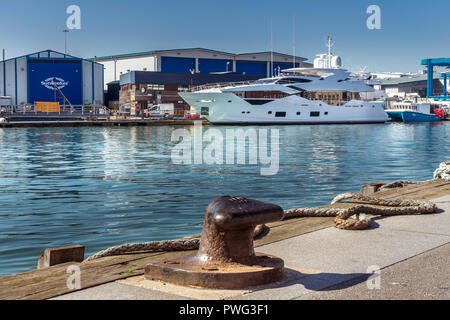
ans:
(226, 258)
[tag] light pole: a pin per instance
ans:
(65, 40)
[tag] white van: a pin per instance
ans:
(163, 109)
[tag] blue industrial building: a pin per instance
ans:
(47, 76)
(198, 60)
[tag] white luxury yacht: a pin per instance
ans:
(296, 96)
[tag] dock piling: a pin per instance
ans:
(56, 256)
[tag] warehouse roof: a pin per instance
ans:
(158, 52)
(50, 54)
(192, 49)
(300, 59)
(406, 80)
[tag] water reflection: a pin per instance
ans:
(105, 186)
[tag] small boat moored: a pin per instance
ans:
(407, 111)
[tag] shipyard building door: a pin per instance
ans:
(44, 75)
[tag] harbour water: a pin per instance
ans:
(101, 187)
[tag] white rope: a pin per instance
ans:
(443, 172)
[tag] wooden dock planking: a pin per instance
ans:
(51, 282)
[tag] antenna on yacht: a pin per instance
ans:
(330, 44)
(293, 41)
(271, 48)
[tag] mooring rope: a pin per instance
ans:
(443, 172)
(352, 218)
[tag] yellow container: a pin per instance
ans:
(46, 106)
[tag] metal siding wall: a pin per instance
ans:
(22, 79)
(10, 80)
(87, 82)
(109, 71)
(124, 64)
(93, 82)
(251, 68)
(174, 64)
(127, 78)
(99, 87)
(41, 72)
(214, 65)
(2, 83)
(103, 84)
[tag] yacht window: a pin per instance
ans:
(264, 81)
(296, 88)
(204, 111)
(270, 112)
(292, 80)
(258, 101)
(299, 113)
(280, 114)
(326, 113)
(314, 114)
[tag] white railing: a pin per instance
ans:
(220, 85)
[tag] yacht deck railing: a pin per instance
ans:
(220, 85)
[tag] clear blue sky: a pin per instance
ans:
(411, 30)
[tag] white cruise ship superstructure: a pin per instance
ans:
(296, 96)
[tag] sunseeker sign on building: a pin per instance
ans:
(52, 82)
